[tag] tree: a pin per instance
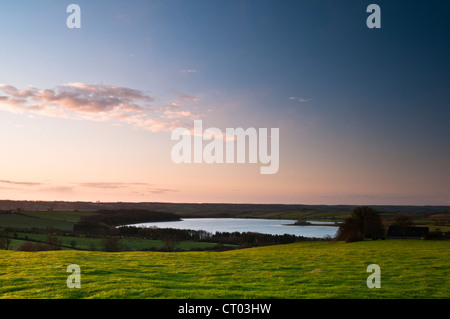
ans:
(170, 242)
(365, 222)
(111, 243)
(29, 246)
(350, 231)
(53, 242)
(73, 243)
(92, 246)
(5, 241)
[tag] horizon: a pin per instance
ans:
(361, 115)
(219, 203)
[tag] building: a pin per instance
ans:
(407, 232)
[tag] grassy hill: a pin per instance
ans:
(409, 269)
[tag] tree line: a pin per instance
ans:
(366, 222)
(242, 239)
(103, 221)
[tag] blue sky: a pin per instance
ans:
(363, 113)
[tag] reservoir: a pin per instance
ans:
(265, 226)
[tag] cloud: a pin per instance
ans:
(57, 189)
(189, 71)
(27, 187)
(141, 188)
(179, 114)
(47, 110)
(98, 102)
(88, 98)
(20, 183)
(172, 106)
(15, 92)
(185, 97)
(162, 190)
(299, 99)
(12, 105)
(109, 185)
(120, 188)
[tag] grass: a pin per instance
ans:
(65, 220)
(87, 243)
(36, 220)
(72, 217)
(409, 269)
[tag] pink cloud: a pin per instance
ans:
(15, 92)
(179, 114)
(185, 97)
(97, 102)
(19, 183)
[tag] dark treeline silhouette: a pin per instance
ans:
(52, 243)
(104, 220)
(208, 209)
(250, 239)
(364, 222)
(245, 239)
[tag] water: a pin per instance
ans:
(265, 226)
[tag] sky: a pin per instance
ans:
(86, 114)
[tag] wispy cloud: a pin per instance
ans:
(184, 97)
(82, 187)
(141, 188)
(110, 185)
(57, 189)
(19, 183)
(162, 190)
(299, 99)
(98, 102)
(188, 71)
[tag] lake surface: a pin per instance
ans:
(265, 226)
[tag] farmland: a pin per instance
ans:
(409, 269)
(307, 269)
(35, 226)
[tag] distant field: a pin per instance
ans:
(87, 243)
(409, 269)
(65, 221)
(42, 220)
(70, 216)
(295, 215)
(23, 221)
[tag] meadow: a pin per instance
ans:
(35, 226)
(88, 243)
(314, 270)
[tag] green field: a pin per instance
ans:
(65, 221)
(87, 243)
(42, 220)
(409, 269)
